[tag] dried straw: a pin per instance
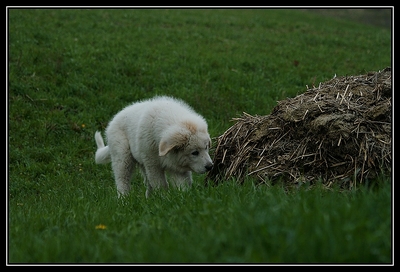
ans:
(339, 131)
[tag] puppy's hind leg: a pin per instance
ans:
(122, 163)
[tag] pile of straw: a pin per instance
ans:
(338, 132)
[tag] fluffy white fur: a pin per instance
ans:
(158, 135)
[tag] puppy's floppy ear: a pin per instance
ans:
(170, 141)
(164, 148)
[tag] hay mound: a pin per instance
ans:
(339, 131)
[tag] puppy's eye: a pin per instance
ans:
(195, 153)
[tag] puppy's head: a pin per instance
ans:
(187, 144)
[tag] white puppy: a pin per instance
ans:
(159, 135)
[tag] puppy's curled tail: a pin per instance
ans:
(102, 153)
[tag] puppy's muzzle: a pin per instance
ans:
(209, 166)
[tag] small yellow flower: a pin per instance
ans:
(101, 226)
(83, 125)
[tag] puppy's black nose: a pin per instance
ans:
(209, 166)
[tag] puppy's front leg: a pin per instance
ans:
(182, 180)
(155, 179)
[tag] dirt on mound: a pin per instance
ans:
(338, 132)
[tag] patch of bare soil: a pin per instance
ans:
(381, 17)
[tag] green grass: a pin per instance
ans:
(225, 224)
(71, 70)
